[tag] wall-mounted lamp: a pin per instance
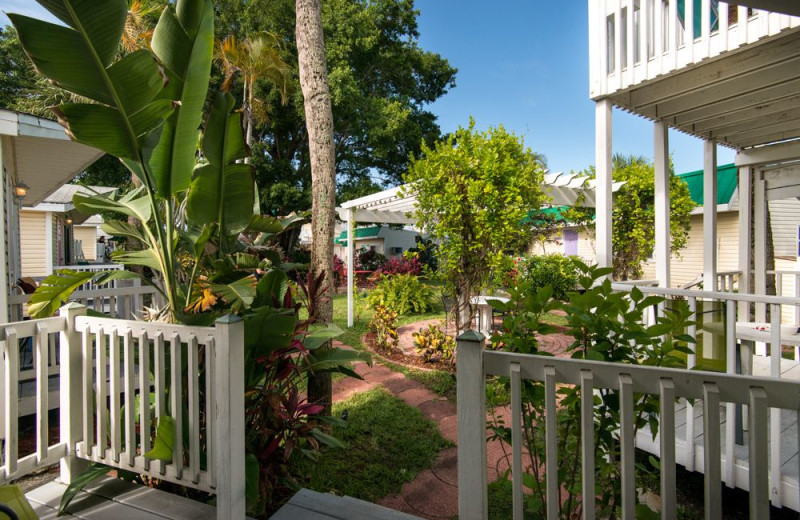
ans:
(68, 221)
(20, 190)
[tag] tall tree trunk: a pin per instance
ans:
(319, 123)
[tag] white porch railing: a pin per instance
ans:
(106, 365)
(638, 40)
(764, 397)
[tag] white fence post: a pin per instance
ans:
(70, 379)
(471, 396)
(229, 418)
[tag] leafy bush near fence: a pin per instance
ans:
(369, 260)
(402, 265)
(434, 345)
(403, 294)
(384, 326)
(557, 271)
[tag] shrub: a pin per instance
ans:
(384, 325)
(434, 345)
(339, 272)
(557, 271)
(425, 251)
(402, 265)
(369, 260)
(403, 294)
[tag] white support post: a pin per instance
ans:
(471, 398)
(760, 242)
(70, 382)
(350, 263)
(745, 234)
(603, 166)
(4, 260)
(662, 248)
(709, 215)
(229, 408)
(48, 242)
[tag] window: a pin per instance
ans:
(396, 250)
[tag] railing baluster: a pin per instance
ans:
(691, 361)
(114, 393)
(160, 384)
(42, 348)
(88, 391)
(723, 26)
(587, 444)
(101, 385)
(667, 429)
(516, 440)
(551, 438)
(12, 402)
(627, 445)
(775, 415)
(731, 408)
(130, 398)
(711, 453)
(144, 394)
(757, 455)
(210, 409)
(176, 404)
(193, 392)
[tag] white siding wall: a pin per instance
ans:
(785, 217)
(555, 245)
(88, 237)
(397, 238)
(32, 243)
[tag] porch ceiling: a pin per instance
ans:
(741, 99)
(41, 154)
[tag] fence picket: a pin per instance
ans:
(193, 393)
(516, 439)
(130, 398)
(628, 452)
(758, 474)
(711, 453)
(667, 433)
(210, 408)
(587, 444)
(12, 400)
(551, 439)
(114, 391)
(101, 391)
(144, 394)
(88, 392)
(42, 348)
(176, 404)
(775, 416)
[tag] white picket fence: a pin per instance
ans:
(764, 397)
(105, 365)
(636, 41)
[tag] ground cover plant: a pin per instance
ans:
(387, 442)
(402, 293)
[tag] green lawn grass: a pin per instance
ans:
(388, 443)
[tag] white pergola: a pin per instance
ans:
(398, 206)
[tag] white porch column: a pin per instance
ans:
(4, 222)
(350, 263)
(48, 241)
(661, 163)
(709, 215)
(760, 241)
(602, 136)
(745, 236)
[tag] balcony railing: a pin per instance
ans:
(632, 41)
(106, 364)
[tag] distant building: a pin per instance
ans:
(381, 239)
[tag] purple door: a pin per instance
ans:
(570, 242)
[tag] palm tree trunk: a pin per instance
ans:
(319, 123)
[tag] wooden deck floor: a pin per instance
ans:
(789, 449)
(310, 505)
(116, 499)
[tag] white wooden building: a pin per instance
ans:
(382, 239)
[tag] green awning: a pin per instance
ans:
(727, 180)
(545, 215)
(363, 232)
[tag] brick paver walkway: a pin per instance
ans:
(433, 494)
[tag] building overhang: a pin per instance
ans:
(41, 154)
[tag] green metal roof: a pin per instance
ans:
(363, 232)
(544, 215)
(727, 179)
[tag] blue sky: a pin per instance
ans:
(524, 65)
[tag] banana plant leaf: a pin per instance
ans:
(223, 190)
(54, 291)
(239, 294)
(78, 57)
(183, 40)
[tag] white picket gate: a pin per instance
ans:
(105, 364)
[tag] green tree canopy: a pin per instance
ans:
(473, 192)
(633, 217)
(380, 81)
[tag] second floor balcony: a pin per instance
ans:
(712, 69)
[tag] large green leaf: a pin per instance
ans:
(184, 42)
(93, 471)
(78, 57)
(267, 330)
(223, 190)
(130, 204)
(274, 284)
(146, 257)
(239, 294)
(55, 290)
(164, 441)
